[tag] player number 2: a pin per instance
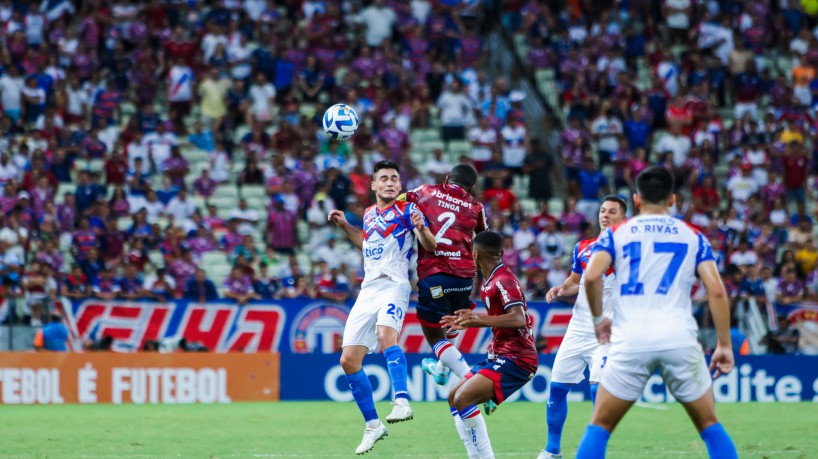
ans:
(633, 251)
(448, 220)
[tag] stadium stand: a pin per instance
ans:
(184, 135)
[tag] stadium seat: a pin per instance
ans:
(556, 206)
(253, 191)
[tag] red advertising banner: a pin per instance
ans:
(58, 378)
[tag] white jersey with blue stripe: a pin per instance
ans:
(655, 258)
(388, 242)
(581, 319)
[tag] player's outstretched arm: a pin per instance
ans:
(568, 288)
(599, 263)
(719, 305)
(424, 234)
(355, 235)
(467, 318)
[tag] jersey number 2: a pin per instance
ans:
(448, 220)
(633, 251)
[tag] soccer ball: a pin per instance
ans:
(340, 122)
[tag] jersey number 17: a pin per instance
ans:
(633, 251)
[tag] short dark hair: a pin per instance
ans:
(489, 239)
(464, 175)
(386, 164)
(618, 200)
(654, 185)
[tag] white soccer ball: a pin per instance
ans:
(340, 122)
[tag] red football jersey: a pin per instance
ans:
(499, 292)
(454, 216)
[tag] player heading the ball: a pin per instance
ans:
(376, 318)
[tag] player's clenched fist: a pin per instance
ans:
(417, 221)
(337, 217)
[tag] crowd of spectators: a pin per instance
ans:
(721, 93)
(150, 113)
(143, 142)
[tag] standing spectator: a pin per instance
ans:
(593, 185)
(515, 143)
(379, 20)
(483, 139)
(741, 187)
(795, 163)
(53, 336)
(606, 130)
(262, 100)
(282, 231)
(539, 166)
(180, 209)
(11, 87)
(212, 98)
(455, 112)
(180, 87)
(246, 217)
(677, 16)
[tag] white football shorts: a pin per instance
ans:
(684, 371)
(381, 302)
(578, 350)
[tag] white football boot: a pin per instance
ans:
(401, 411)
(371, 436)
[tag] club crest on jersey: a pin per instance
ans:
(389, 216)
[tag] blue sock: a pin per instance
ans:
(362, 391)
(594, 388)
(555, 414)
(396, 362)
(593, 443)
(718, 441)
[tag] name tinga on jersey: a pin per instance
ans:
(449, 202)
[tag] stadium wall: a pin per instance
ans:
(58, 378)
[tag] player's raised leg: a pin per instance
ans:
(351, 361)
(465, 398)
(467, 436)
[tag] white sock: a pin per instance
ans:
(480, 436)
(373, 424)
(465, 435)
(440, 367)
(451, 357)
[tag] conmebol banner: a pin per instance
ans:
(755, 379)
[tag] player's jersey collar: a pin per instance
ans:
(496, 268)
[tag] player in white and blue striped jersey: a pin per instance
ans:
(656, 258)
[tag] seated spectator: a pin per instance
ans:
(331, 285)
(106, 286)
(131, 284)
(790, 291)
(239, 287)
(159, 286)
(204, 185)
(783, 340)
(265, 285)
(200, 289)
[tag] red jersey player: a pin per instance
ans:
(446, 275)
(512, 358)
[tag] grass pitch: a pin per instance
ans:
(328, 429)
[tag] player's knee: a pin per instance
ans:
(386, 340)
(451, 398)
(350, 364)
(460, 400)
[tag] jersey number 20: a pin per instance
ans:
(633, 251)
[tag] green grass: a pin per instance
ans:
(334, 429)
